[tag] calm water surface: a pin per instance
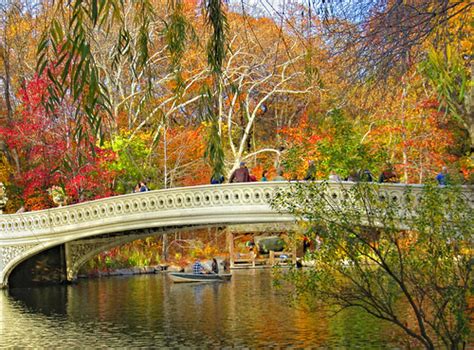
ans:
(149, 311)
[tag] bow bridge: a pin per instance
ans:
(75, 233)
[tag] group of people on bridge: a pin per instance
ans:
(388, 175)
(141, 187)
(243, 174)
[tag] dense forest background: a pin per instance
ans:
(350, 87)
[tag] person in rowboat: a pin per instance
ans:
(215, 266)
(198, 268)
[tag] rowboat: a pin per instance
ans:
(179, 277)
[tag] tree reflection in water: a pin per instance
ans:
(151, 311)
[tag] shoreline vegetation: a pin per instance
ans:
(182, 249)
(177, 251)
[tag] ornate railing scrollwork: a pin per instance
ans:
(162, 204)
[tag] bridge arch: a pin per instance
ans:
(25, 235)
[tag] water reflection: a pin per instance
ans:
(48, 301)
(149, 311)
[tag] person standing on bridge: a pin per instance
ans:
(388, 175)
(217, 179)
(442, 177)
(311, 172)
(279, 176)
(143, 187)
(240, 175)
(366, 176)
(136, 189)
(333, 176)
(252, 177)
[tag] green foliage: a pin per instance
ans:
(203, 251)
(216, 52)
(217, 44)
(67, 49)
(343, 152)
(137, 259)
(177, 31)
(334, 141)
(65, 56)
(130, 162)
(446, 71)
(214, 151)
(399, 259)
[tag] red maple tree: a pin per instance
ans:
(49, 152)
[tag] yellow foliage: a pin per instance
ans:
(5, 170)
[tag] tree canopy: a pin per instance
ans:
(350, 85)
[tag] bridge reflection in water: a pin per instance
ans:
(147, 311)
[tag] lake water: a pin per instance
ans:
(149, 311)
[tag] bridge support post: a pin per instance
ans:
(293, 253)
(230, 244)
(165, 247)
(71, 275)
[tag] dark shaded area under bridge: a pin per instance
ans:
(47, 267)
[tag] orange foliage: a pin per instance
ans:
(185, 156)
(415, 134)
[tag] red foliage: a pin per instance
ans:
(305, 134)
(50, 154)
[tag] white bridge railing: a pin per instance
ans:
(178, 203)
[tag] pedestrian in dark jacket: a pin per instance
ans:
(143, 187)
(241, 174)
(252, 177)
(217, 179)
(311, 172)
(366, 176)
(388, 175)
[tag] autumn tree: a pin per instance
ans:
(250, 90)
(406, 262)
(144, 99)
(19, 20)
(51, 154)
(332, 140)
